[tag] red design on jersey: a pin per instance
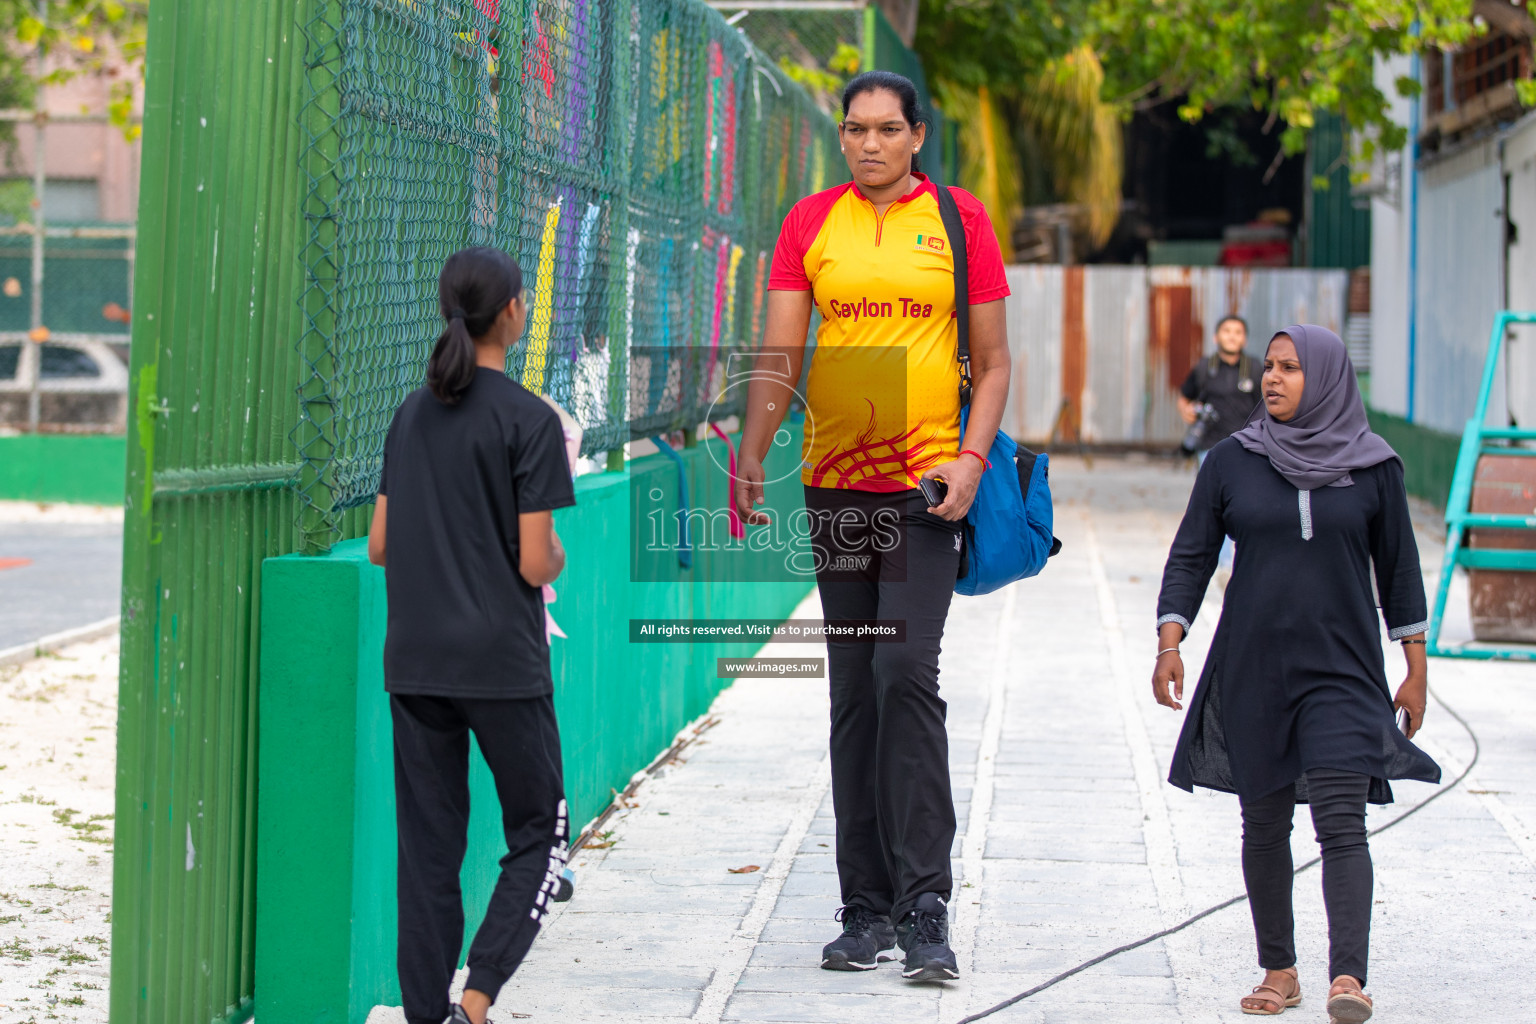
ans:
(869, 459)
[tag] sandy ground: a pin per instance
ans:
(58, 717)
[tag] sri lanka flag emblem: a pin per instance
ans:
(933, 242)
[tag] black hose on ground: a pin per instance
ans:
(1235, 900)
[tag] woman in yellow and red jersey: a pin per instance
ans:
(882, 414)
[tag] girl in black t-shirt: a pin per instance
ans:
(474, 466)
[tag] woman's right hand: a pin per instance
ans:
(748, 488)
(1169, 671)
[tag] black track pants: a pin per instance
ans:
(1338, 816)
(884, 556)
(521, 744)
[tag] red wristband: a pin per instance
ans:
(983, 458)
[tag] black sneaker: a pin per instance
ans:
(924, 934)
(458, 1016)
(868, 940)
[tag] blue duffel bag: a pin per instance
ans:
(1008, 530)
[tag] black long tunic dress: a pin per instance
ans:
(1295, 678)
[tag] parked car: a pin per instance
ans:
(82, 384)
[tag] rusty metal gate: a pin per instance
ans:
(1099, 352)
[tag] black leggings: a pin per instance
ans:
(520, 741)
(890, 751)
(1338, 816)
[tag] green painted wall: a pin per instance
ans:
(325, 922)
(87, 469)
(1429, 457)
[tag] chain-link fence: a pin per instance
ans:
(636, 157)
(823, 44)
(87, 275)
(64, 327)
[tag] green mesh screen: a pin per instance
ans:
(889, 53)
(85, 284)
(810, 34)
(636, 156)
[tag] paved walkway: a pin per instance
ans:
(1070, 842)
(60, 567)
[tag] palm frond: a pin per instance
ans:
(1081, 136)
(989, 163)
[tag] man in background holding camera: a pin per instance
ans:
(1221, 392)
(1217, 398)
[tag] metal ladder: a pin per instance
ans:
(1459, 516)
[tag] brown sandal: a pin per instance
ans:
(1281, 1000)
(1349, 1007)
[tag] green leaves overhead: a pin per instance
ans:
(79, 37)
(1080, 135)
(1289, 58)
(996, 43)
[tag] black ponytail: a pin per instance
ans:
(888, 81)
(474, 287)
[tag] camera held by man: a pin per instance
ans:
(1194, 437)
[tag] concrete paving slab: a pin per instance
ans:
(807, 975)
(786, 954)
(832, 1007)
(1071, 842)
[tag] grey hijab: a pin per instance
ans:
(1329, 435)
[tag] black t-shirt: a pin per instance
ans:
(1232, 394)
(462, 621)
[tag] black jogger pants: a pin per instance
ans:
(521, 744)
(1338, 816)
(884, 556)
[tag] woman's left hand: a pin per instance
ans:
(961, 477)
(1413, 695)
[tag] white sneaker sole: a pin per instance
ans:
(930, 972)
(882, 957)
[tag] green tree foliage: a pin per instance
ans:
(988, 160)
(1064, 113)
(1001, 44)
(826, 86)
(1027, 93)
(1289, 58)
(79, 37)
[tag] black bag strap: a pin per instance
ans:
(1244, 366)
(950, 214)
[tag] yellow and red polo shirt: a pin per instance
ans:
(883, 395)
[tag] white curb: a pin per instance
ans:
(52, 642)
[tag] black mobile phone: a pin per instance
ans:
(1402, 721)
(934, 491)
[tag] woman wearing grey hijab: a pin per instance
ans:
(1293, 704)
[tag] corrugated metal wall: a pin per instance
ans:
(1034, 341)
(1460, 285)
(1099, 352)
